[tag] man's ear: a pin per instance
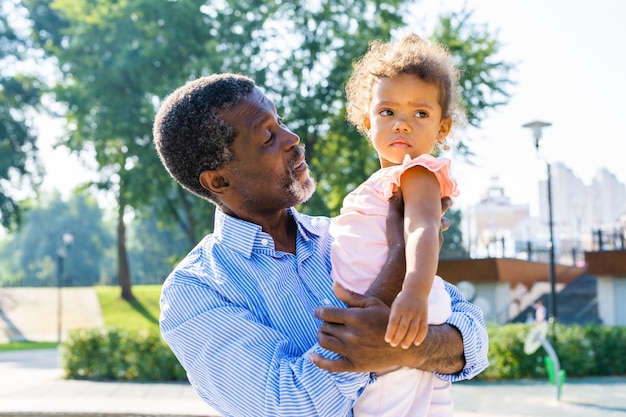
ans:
(214, 181)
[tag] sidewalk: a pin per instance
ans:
(31, 384)
(33, 313)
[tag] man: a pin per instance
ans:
(239, 311)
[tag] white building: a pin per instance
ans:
(579, 209)
(489, 224)
(608, 200)
(494, 227)
(570, 209)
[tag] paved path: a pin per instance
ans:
(31, 383)
(33, 313)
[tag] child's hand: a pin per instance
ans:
(408, 321)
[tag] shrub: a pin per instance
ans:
(141, 355)
(119, 354)
(590, 350)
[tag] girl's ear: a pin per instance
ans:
(214, 181)
(444, 128)
(366, 122)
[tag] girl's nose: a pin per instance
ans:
(401, 125)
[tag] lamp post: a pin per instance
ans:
(536, 128)
(62, 251)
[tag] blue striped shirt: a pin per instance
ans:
(238, 315)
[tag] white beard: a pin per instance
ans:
(299, 191)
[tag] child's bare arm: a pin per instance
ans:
(389, 281)
(408, 322)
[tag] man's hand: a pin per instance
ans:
(357, 333)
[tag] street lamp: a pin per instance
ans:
(62, 251)
(536, 128)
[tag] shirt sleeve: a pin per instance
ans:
(468, 318)
(241, 367)
(440, 167)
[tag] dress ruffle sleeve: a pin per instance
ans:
(438, 166)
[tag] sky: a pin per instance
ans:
(570, 57)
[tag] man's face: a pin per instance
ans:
(269, 171)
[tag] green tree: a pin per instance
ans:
(117, 59)
(29, 256)
(153, 249)
(452, 247)
(485, 80)
(19, 96)
(308, 83)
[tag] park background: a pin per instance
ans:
(82, 81)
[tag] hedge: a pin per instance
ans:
(590, 350)
(141, 355)
(119, 354)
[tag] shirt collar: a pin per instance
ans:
(246, 237)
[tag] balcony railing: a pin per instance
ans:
(608, 240)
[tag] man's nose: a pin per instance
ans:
(290, 139)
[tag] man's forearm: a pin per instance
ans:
(391, 276)
(441, 351)
(357, 334)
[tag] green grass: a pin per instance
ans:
(26, 345)
(139, 314)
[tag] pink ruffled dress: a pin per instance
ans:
(358, 253)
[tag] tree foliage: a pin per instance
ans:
(452, 247)
(30, 256)
(118, 59)
(19, 96)
(152, 250)
(485, 79)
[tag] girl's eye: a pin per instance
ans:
(421, 114)
(385, 112)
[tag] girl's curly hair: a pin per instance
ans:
(432, 62)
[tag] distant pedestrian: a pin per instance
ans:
(540, 312)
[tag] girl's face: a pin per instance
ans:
(405, 118)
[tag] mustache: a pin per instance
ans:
(299, 152)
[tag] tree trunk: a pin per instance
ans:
(123, 270)
(190, 226)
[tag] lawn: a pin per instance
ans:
(139, 314)
(26, 345)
